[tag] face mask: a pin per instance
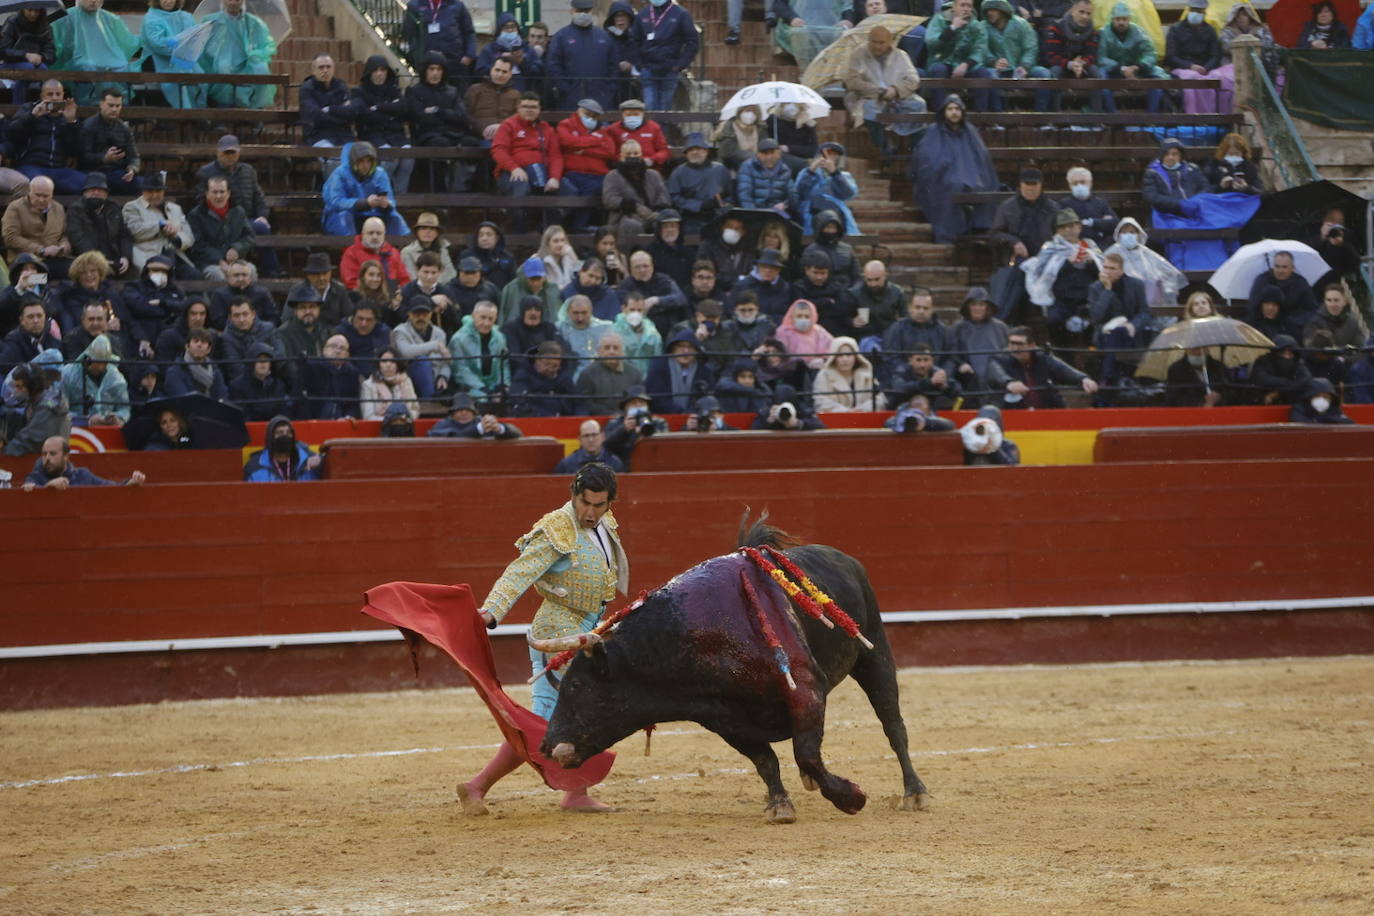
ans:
(1171, 166)
(509, 39)
(829, 238)
(616, 30)
(158, 279)
(802, 324)
(658, 2)
(632, 166)
(589, 122)
(582, 20)
(1129, 240)
(747, 321)
(730, 236)
(790, 111)
(748, 117)
(1197, 361)
(710, 326)
(1082, 191)
(634, 319)
(1195, 19)
(633, 122)
(1234, 160)
(1320, 404)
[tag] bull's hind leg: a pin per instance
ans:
(877, 675)
(779, 809)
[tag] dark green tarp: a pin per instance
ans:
(1333, 88)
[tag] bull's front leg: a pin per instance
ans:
(843, 794)
(779, 809)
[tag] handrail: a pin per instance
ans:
(1290, 153)
(388, 18)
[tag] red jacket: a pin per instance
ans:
(589, 151)
(354, 256)
(519, 143)
(650, 137)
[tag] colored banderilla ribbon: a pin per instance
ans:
(809, 596)
(607, 624)
(769, 635)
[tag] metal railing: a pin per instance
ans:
(388, 18)
(1290, 153)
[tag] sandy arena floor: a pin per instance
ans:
(1172, 788)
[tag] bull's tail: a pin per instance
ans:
(761, 534)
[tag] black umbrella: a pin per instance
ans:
(753, 221)
(1297, 214)
(212, 424)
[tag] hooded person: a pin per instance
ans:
(1242, 20)
(45, 412)
(1181, 198)
(380, 110)
(171, 343)
(1318, 404)
(985, 441)
(679, 377)
(1013, 47)
(527, 330)
(92, 39)
(1162, 280)
(823, 186)
(845, 383)
(738, 390)
(28, 35)
(434, 108)
(488, 246)
(1125, 51)
(1359, 381)
(978, 336)
(258, 391)
(829, 238)
(1280, 376)
(803, 335)
(619, 25)
(284, 458)
(240, 42)
(358, 190)
(956, 46)
(158, 38)
(527, 68)
(950, 159)
(94, 387)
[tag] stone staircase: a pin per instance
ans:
(1344, 156)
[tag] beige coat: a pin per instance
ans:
(26, 230)
(833, 393)
(867, 77)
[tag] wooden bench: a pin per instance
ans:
(1233, 443)
(195, 466)
(1053, 118)
(769, 449)
(372, 459)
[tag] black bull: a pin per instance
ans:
(695, 652)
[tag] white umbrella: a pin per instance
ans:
(190, 43)
(768, 96)
(1234, 278)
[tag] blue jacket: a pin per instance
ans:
(345, 191)
(816, 190)
(759, 188)
(571, 463)
(660, 385)
(76, 477)
(534, 395)
(335, 125)
(1364, 31)
(1359, 383)
(664, 39)
(531, 67)
(583, 63)
(455, 38)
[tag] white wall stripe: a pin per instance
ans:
(276, 641)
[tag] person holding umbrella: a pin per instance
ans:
(1199, 380)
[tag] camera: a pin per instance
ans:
(646, 420)
(703, 421)
(910, 420)
(787, 412)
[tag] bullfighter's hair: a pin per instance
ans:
(760, 534)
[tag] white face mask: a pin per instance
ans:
(616, 30)
(634, 319)
(582, 20)
(747, 320)
(1197, 361)
(1129, 240)
(790, 111)
(158, 279)
(1320, 404)
(802, 324)
(748, 117)
(1082, 191)
(730, 236)
(1195, 19)
(1234, 160)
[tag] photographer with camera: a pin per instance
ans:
(634, 422)
(787, 412)
(48, 137)
(915, 415)
(708, 418)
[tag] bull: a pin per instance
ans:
(694, 652)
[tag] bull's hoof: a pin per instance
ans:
(781, 813)
(472, 801)
(808, 783)
(920, 801)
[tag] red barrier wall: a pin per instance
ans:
(228, 559)
(368, 459)
(1232, 443)
(825, 448)
(199, 466)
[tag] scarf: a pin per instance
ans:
(202, 373)
(221, 212)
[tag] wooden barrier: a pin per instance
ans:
(372, 459)
(195, 466)
(1233, 443)
(825, 448)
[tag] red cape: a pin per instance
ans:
(446, 617)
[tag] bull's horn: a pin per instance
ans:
(564, 643)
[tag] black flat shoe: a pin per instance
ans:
(732, 37)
